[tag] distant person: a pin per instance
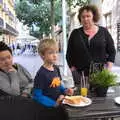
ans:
(14, 79)
(90, 46)
(48, 89)
(18, 46)
(13, 47)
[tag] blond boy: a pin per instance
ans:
(48, 89)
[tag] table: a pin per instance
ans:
(101, 107)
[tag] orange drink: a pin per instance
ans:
(84, 91)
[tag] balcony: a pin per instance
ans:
(4, 8)
(11, 30)
(10, 15)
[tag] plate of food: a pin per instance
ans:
(77, 101)
(117, 100)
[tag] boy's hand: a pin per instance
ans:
(69, 91)
(60, 99)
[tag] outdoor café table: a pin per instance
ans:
(101, 107)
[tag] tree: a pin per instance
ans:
(77, 2)
(42, 13)
(38, 15)
(72, 4)
(54, 17)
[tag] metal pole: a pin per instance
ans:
(64, 37)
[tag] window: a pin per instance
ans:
(108, 21)
(118, 36)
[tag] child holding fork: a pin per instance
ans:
(48, 89)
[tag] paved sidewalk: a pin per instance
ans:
(116, 70)
(117, 59)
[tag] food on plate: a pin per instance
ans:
(72, 99)
(75, 99)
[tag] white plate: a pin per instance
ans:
(81, 104)
(117, 100)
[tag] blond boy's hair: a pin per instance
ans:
(46, 44)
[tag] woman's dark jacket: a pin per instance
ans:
(81, 51)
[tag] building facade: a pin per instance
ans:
(8, 21)
(111, 13)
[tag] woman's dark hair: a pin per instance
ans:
(93, 9)
(4, 47)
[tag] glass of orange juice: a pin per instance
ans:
(84, 91)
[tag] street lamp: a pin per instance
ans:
(64, 37)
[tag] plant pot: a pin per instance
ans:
(101, 91)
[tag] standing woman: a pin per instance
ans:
(90, 43)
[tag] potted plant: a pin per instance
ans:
(101, 80)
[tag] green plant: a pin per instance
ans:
(103, 78)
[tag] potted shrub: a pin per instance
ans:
(101, 80)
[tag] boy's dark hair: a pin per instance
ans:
(4, 47)
(93, 9)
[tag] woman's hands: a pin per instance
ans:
(109, 66)
(72, 68)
